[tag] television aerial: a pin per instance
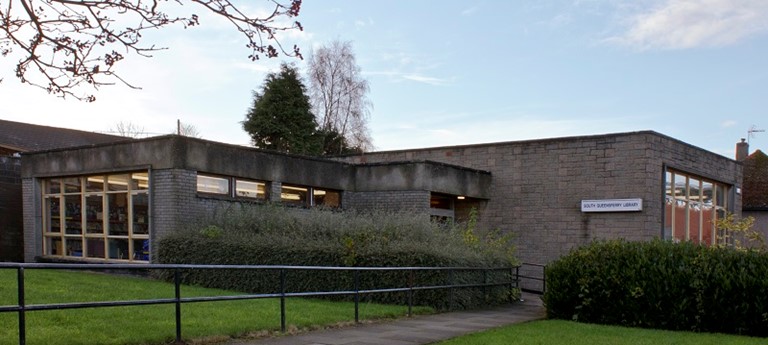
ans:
(751, 132)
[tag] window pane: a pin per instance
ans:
(694, 226)
(53, 246)
(720, 196)
(140, 181)
(707, 190)
(118, 249)
(54, 186)
(294, 195)
(326, 198)
(53, 209)
(118, 217)
(94, 214)
(75, 247)
(212, 185)
(444, 202)
(117, 182)
(140, 214)
(73, 218)
(250, 189)
(71, 185)
(95, 247)
(680, 183)
(141, 250)
(94, 184)
(681, 218)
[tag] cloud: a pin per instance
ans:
(426, 79)
(469, 11)
(728, 123)
(684, 24)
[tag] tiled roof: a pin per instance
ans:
(755, 189)
(25, 137)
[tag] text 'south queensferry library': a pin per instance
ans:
(612, 205)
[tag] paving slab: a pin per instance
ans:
(416, 330)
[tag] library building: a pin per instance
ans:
(110, 199)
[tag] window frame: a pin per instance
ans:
(685, 196)
(67, 244)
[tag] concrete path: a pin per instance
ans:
(420, 329)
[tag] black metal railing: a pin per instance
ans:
(513, 282)
(536, 273)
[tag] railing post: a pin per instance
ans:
(357, 296)
(514, 282)
(22, 306)
(410, 293)
(485, 286)
(282, 300)
(177, 288)
(450, 289)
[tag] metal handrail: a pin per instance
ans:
(22, 308)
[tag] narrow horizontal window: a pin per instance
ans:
(326, 198)
(251, 189)
(294, 195)
(212, 184)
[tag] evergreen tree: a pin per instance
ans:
(281, 118)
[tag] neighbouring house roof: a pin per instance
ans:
(24, 137)
(755, 189)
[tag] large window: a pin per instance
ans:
(692, 206)
(98, 217)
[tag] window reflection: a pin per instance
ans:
(212, 184)
(693, 204)
(251, 189)
(293, 195)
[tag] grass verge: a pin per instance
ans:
(573, 333)
(155, 324)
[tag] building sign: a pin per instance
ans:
(612, 205)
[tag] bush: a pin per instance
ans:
(272, 235)
(661, 285)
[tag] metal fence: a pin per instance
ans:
(513, 282)
(533, 278)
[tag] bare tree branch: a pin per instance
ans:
(128, 129)
(339, 93)
(66, 44)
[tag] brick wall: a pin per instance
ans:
(32, 220)
(173, 201)
(388, 200)
(11, 221)
(537, 186)
(761, 221)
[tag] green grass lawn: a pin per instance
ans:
(559, 332)
(154, 324)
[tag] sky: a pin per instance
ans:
(450, 72)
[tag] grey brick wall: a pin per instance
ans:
(32, 219)
(173, 201)
(417, 201)
(538, 186)
(11, 220)
(761, 221)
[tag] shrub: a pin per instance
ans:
(661, 285)
(273, 235)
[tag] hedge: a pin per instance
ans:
(271, 235)
(661, 285)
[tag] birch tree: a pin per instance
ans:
(339, 96)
